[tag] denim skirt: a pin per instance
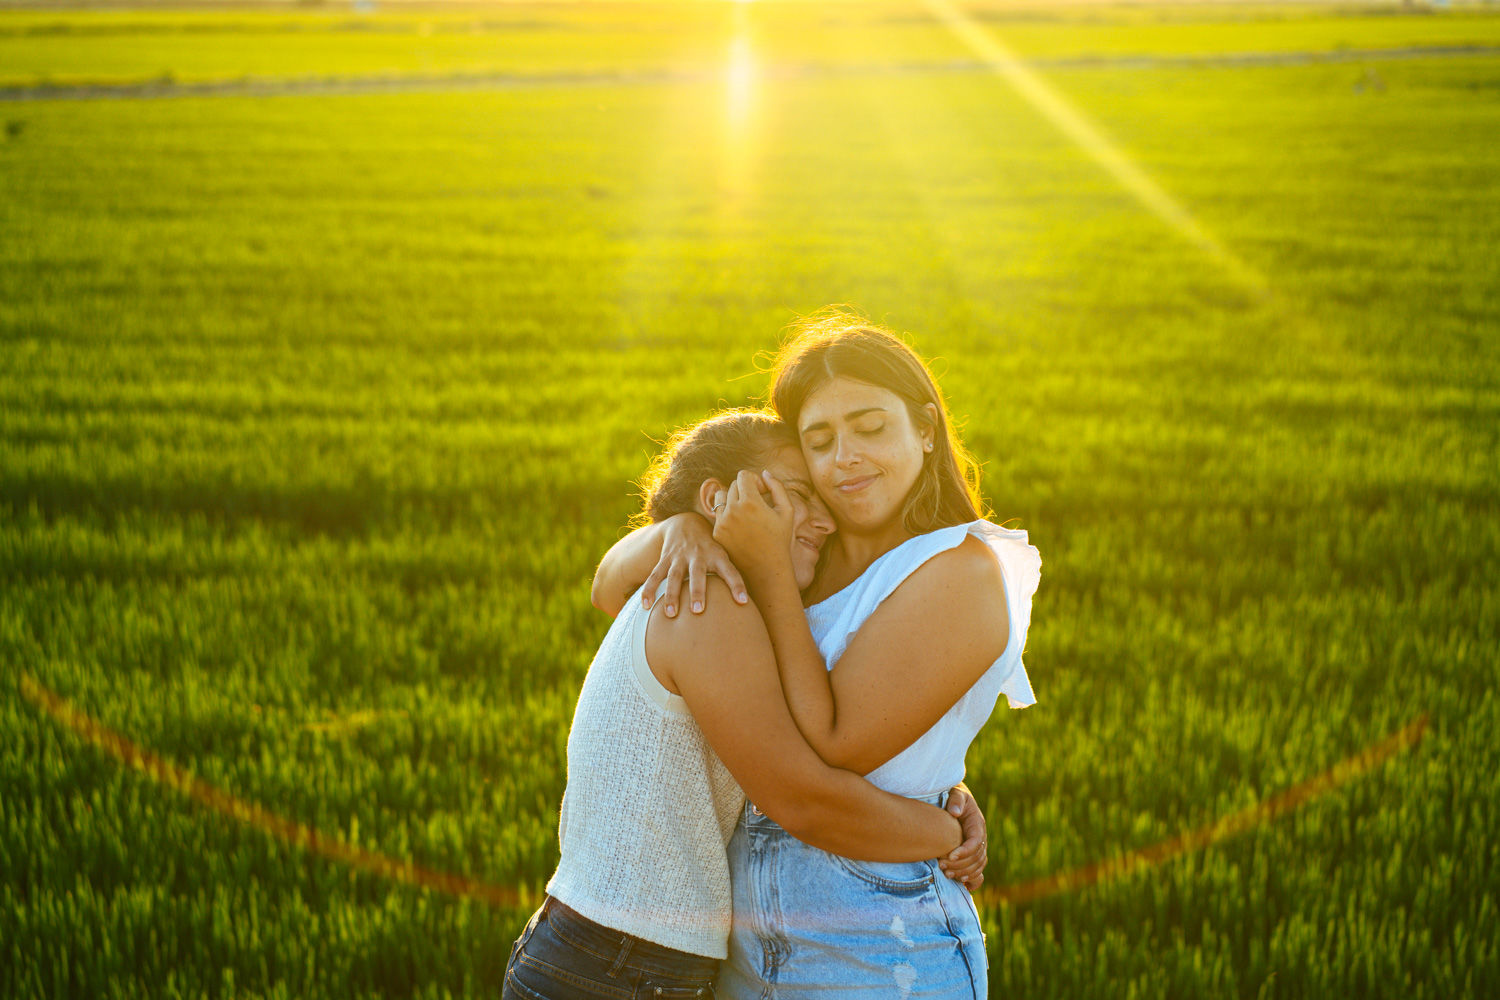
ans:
(812, 924)
(563, 955)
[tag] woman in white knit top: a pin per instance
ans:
(890, 661)
(675, 715)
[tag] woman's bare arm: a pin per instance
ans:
(721, 662)
(906, 666)
(680, 548)
(624, 568)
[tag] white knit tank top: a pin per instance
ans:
(649, 807)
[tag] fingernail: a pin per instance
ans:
(741, 596)
(697, 607)
(671, 611)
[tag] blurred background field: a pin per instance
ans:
(317, 410)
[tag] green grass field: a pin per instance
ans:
(317, 410)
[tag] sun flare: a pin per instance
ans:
(741, 85)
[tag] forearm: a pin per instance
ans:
(625, 567)
(853, 818)
(722, 665)
(804, 676)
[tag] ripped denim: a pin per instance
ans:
(809, 923)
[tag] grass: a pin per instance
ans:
(542, 39)
(317, 411)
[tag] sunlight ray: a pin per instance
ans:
(737, 151)
(1072, 123)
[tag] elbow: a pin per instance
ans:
(802, 820)
(812, 819)
(796, 810)
(845, 759)
(601, 598)
(844, 754)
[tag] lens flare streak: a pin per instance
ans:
(1072, 123)
(227, 804)
(1226, 826)
(164, 772)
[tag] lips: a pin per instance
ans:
(849, 486)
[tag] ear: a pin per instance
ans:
(929, 433)
(706, 492)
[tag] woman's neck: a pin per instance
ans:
(851, 554)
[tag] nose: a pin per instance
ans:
(820, 520)
(843, 452)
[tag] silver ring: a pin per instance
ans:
(721, 506)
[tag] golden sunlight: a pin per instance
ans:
(741, 75)
(741, 80)
(1056, 108)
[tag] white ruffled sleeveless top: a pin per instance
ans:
(649, 807)
(935, 762)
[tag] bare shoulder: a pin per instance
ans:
(950, 614)
(722, 621)
(957, 596)
(968, 568)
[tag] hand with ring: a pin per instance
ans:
(689, 556)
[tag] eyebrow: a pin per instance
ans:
(822, 425)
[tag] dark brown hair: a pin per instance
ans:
(835, 342)
(716, 447)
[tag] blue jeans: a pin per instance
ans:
(563, 955)
(810, 924)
